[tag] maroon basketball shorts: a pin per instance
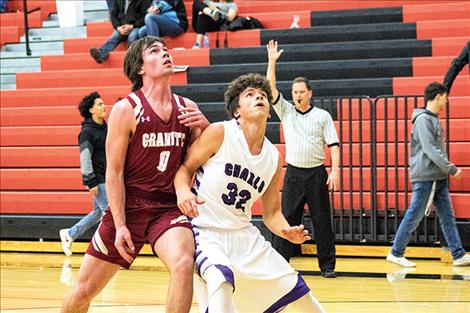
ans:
(146, 220)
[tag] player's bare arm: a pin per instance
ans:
(199, 152)
(272, 214)
(121, 126)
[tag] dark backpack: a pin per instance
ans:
(244, 23)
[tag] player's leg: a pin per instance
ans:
(175, 247)
(93, 277)
(200, 290)
(220, 291)
(307, 303)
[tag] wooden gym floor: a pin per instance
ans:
(38, 282)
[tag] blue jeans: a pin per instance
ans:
(100, 204)
(159, 25)
(115, 39)
(415, 213)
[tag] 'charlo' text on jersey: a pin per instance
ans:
(245, 174)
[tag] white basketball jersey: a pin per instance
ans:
(232, 180)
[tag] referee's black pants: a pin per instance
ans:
(308, 185)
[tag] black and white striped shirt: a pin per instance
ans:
(305, 133)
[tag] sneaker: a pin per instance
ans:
(463, 261)
(401, 261)
(328, 274)
(96, 55)
(215, 15)
(66, 241)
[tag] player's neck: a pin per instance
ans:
(157, 93)
(254, 135)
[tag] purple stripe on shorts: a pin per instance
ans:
(228, 274)
(199, 265)
(299, 291)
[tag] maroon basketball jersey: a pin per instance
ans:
(156, 150)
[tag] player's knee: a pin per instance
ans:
(84, 293)
(184, 265)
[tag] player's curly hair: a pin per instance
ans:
(236, 87)
(87, 103)
(133, 60)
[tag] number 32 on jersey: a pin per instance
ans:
(234, 197)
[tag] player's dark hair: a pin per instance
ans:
(236, 87)
(87, 103)
(133, 60)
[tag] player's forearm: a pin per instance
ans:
(116, 193)
(276, 222)
(182, 180)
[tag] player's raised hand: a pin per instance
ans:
(273, 53)
(296, 234)
(187, 202)
(124, 244)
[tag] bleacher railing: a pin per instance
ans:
(375, 188)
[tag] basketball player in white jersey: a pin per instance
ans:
(237, 270)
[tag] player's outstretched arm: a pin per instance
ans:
(199, 152)
(272, 214)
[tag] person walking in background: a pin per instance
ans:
(456, 66)
(429, 171)
(165, 18)
(307, 130)
(236, 165)
(127, 16)
(209, 16)
(149, 133)
(92, 140)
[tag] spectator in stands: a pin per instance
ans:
(110, 4)
(92, 140)
(209, 16)
(149, 133)
(3, 6)
(456, 66)
(127, 17)
(307, 130)
(236, 165)
(165, 18)
(429, 171)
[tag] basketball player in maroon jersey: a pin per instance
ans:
(148, 135)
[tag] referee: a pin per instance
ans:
(307, 130)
